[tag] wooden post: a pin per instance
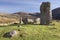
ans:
(46, 15)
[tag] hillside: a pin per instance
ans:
(33, 32)
(56, 13)
(13, 17)
(24, 14)
(8, 18)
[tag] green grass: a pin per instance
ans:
(33, 32)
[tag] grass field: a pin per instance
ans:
(33, 32)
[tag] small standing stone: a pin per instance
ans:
(25, 20)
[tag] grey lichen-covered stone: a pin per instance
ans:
(25, 20)
(46, 15)
(13, 33)
(10, 34)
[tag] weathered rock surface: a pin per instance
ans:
(10, 34)
(46, 15)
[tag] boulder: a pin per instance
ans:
(10, 34)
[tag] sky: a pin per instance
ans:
(12, 6)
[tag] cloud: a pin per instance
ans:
(18, 5)
(20, 1)
(25, 5)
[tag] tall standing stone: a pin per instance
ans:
(46, 15)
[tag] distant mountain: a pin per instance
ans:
(56, 13)
(14, 17)
(25, 14)
(37, 14)
(20, 14)
(8, 18)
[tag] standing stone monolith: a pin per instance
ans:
(25, 21)
(46, 15)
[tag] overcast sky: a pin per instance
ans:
(12, 6)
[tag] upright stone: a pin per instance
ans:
(46, 15)
(25, 21)
(20, 21)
